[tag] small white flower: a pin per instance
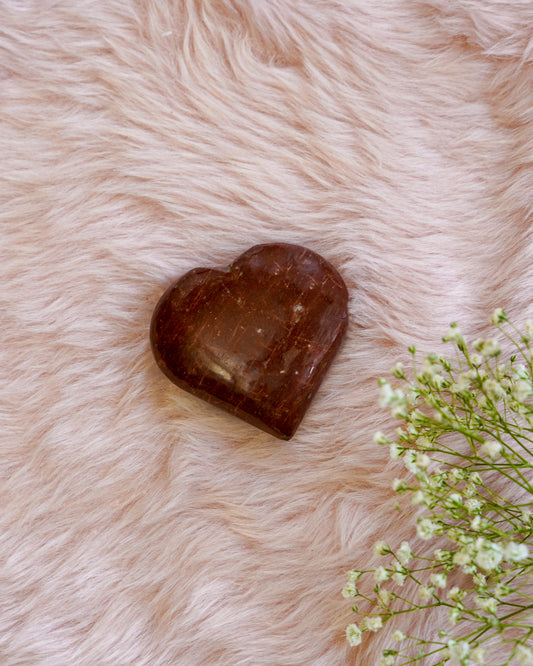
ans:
(436, 481)
(397, 370)
(473, 505)
(399, 485)
(524, 654)
(409, 460)
(478, 655)
(454, 616)
(438, 580)
(490, 348)
(441, 555)
(437, 381)
(398, 578)
(475, 523)
(418, 498)
(385, 597)
(457, 474)
(427, 528)
(480, 580)
(395, 451)
(422, 461)
(516, 552)
(396, 567)
(425, 592)
(354, 576)
(387, 660)
(459, 650)
(461, 557)
(475, 479)
(393, 398)
(428, 369)
(353, 635)
(493, 389)
(501, 590)
(417, 418)
(491, 448)
(380, 574)
(423, 442)
(462, 383)
(411, 395)
(398, 411)
(456, 535)
(380, 438)
(398, 636)
(373, 623)
(439, 414)
(503, 370)
(521, 389)
(506, 383)
(470, 490)
(349, 590)
(454, 499)
(456, 594)
(381, 548)
(489, 555)
(528, 329)
(399, 395)
(497, 317)
(520, 371)
(411, 429)
(525, 516)
(476, 360)
(454, 334)
(386, 395)
(401, 432)
(404, 553)
(487, 604)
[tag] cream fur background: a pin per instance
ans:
(139, 139)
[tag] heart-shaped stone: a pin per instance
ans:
(256, 338)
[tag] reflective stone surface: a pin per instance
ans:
(256, 338)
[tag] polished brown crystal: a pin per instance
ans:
(256, 338)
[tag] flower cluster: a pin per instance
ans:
(466, 445)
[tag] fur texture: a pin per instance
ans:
(141, 138)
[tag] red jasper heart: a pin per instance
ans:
(256, 338)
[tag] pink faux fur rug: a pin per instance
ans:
(142, 138)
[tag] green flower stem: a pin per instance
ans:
(525, 486)
(524, 596)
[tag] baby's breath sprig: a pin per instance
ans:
(466, 442)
